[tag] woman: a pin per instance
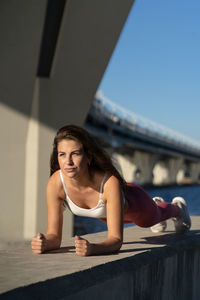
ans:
(84, 179)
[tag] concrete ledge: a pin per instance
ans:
(149, 266)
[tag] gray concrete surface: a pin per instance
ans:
(63, 275)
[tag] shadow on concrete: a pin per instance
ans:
(138, 249)
(165, 240)
(70, 249)
(169, 239)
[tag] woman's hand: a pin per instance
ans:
(38, 243)
(83, 247)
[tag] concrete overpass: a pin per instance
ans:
(144, 150)
(53, 56)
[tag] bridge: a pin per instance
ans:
(144, 150)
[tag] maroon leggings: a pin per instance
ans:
(143, 211)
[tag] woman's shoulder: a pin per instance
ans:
(111, 181)
(112, 188)
(54, 179)
(54, 186)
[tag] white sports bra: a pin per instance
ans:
(99, 211)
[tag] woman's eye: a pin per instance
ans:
(76, 153)
(61, 154)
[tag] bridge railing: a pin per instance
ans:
(137, 123)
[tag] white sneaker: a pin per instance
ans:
(182, 222)
(160, 227)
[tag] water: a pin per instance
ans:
(191, 194)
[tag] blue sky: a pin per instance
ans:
(155, 68)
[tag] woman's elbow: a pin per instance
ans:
(118, 244)
(58, 241)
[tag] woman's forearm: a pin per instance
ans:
(52, 242)
(109, 245)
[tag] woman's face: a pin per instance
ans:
(71, 158)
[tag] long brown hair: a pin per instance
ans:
(99, 158)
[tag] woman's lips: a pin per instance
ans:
(69, 169)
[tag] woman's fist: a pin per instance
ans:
(83, 247)
(38, 243)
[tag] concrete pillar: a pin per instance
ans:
(195, 172)
(174, 165)
(145, 162)
(21, 24)
(160, 173)
(187, 173)
(136, 167)
(125, 165)
(183, 170)
(167, 170)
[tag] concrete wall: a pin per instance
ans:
(168, 274)
(35, 104)
(148, 270)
